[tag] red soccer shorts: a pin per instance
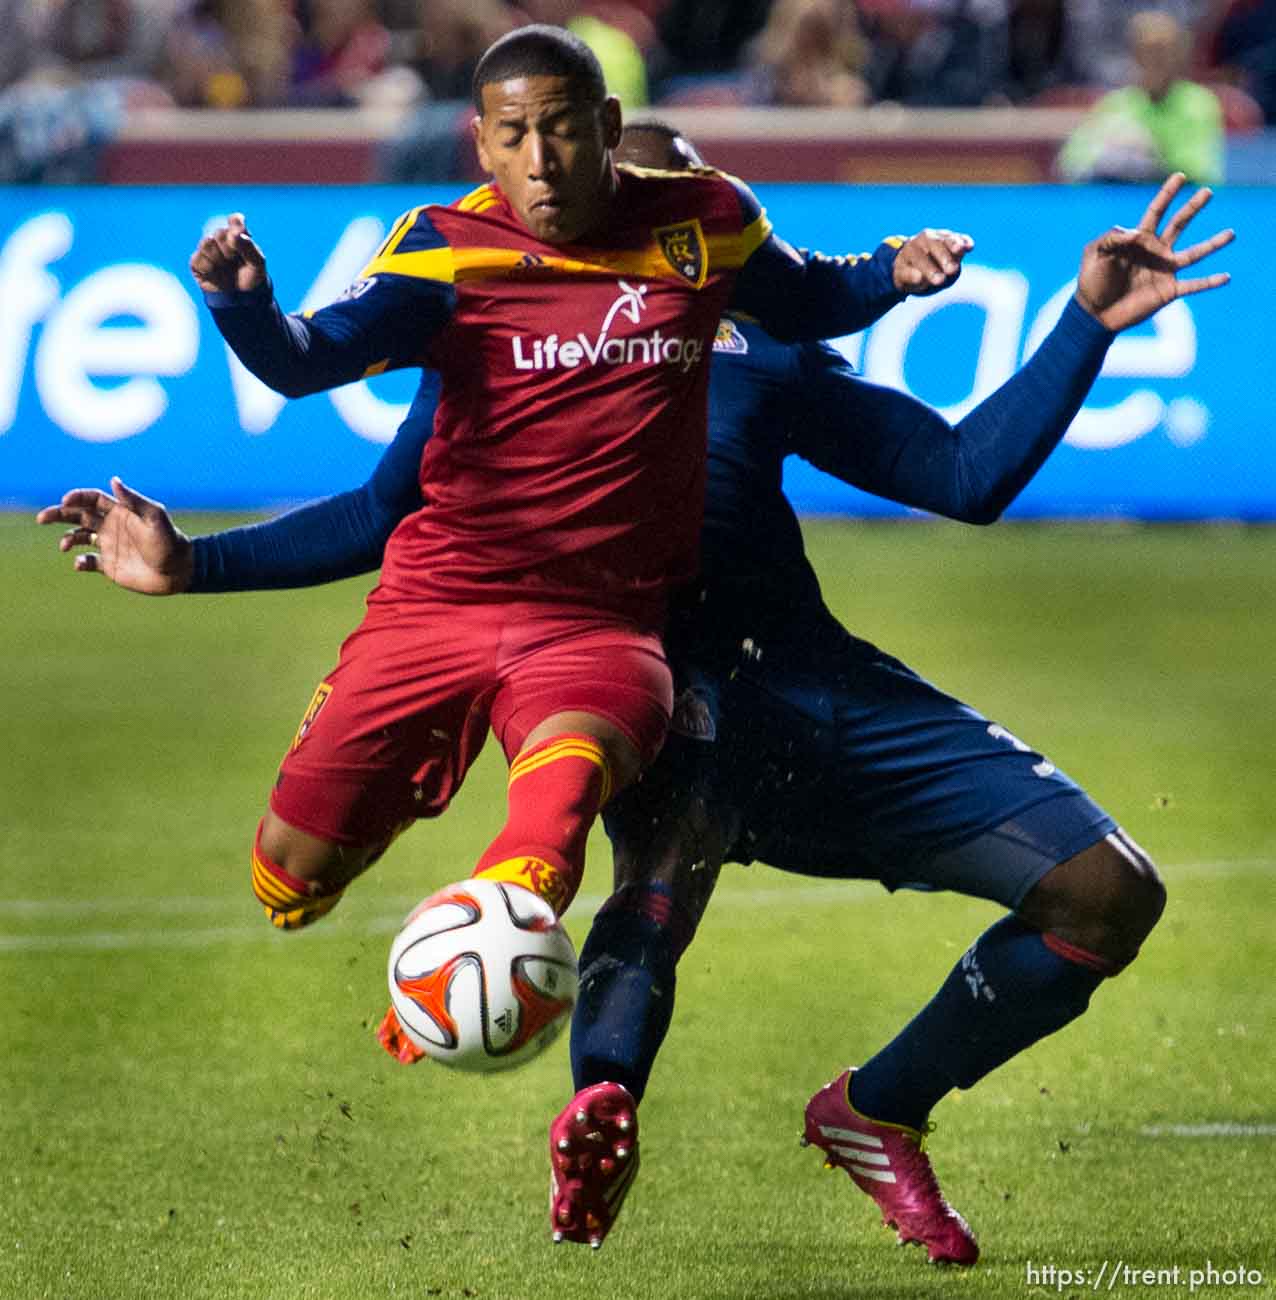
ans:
(393, 729)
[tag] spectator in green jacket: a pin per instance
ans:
(1162, 123)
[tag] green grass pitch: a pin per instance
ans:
(193, 1106)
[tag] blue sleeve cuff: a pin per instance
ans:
(1083, 329)
(883, 260)
(199, 563)
(262, 296)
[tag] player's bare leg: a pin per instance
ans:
(621, 752)
(1026, 977)
(1103, 902)
(298, 877)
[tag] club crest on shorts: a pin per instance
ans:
(684, 249)
(317, 701)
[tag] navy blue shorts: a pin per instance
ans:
(830, 758)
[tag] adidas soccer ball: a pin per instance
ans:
(482, 976)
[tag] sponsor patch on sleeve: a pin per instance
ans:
(730, 338)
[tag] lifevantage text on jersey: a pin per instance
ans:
(650, 349)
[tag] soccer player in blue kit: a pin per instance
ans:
(794, 743)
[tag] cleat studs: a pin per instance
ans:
(564, 1144)
(595, 1242)
(622, 1153)
(624, 1123)
(581, 1117)
(558, 1238)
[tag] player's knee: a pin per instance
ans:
(680, 854)
(1143, 894)
(1105, 900)
(298, 878)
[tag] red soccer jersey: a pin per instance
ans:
(567, 460)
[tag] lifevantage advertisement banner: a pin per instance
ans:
(110, 364)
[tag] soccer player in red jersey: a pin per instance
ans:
(717, 779)
(569, 307)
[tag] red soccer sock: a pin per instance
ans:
(555, 791)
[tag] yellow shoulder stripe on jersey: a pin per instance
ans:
(478, 200)
(454, 265)
(727, 252)
(895, 241)
(422, 264)
(397, 231)
(750, 239)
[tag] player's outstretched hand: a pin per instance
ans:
(1128, 275)
(227, 261)
(930, 261)
(138, 545)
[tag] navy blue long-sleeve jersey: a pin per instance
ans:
(767, 400)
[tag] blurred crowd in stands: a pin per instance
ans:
(70, 70)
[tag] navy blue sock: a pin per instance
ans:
(1013, 987)
(627, 980)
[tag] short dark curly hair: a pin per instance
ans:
(540, 50)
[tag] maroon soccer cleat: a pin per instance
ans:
(889, 1162)
(593, 1157)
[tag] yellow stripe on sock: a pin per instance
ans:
(564, 749)
(284, 906)
(572, 747)
(271, 890)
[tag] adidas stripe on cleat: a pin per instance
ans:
(889, 1163)
(593, 1160)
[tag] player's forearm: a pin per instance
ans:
(813, 296)
(901, 449)
(1006, 439)
(338, 537)
(288, 353)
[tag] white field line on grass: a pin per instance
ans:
(386, 921)
(1218, 1129)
